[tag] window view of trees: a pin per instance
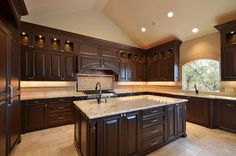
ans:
(204, 73)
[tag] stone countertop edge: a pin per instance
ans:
(125, 110)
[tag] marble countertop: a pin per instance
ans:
(121, 105)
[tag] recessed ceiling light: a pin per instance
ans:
(23, 33)
(68, 41)
(55, 39)
(195, 30)
(143, 29)
(40, 36)
(232, 32)
(170, 14)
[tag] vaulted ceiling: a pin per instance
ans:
(131, 15)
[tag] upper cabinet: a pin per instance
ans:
(228, 50)
(47, 57)
(132, 66)
(163, 62)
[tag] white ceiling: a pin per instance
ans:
(131, 15)
(39, 8)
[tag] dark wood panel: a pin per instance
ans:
(132, 134)
(3, 127)
(39, 65)
(87, 63)
(171, 123)
(112, 136)
(55, 66)
(69, 67)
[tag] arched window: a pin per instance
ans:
(205, 73)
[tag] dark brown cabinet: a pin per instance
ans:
(225, 115)
(163, 62)
(40, 114)
(228, 50)
(14, 117)
(176, 125)
(55, 66)
(198, 111)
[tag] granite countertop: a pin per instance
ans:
(121, 105)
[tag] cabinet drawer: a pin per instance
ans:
(153, 143)
(153, 111)
(147, 122)
(60, 108)
(61, 100)
(35, 102)
(61, 119)
(153, 130)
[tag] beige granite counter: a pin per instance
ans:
(49, 94)
(121, 105)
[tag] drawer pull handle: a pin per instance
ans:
(154, 120)
(230, 105)
(154, 143)
(155, 111)
(131, 117)
(60, 118)
(155, 131)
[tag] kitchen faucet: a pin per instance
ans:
(196, 90)
(99, 96)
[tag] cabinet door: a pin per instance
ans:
(26, 63)
(227, 115)
(162, 70)
(55, 66)
(198, 111)
(39, 65)
(170, 69)
(35, 116)
(122, 74)
(14, 116)
(112, 136)
(129, 71)
(228, 65)
(171, 122)
(3, 127)
(132, 134)
(69, 67)
(181, 119)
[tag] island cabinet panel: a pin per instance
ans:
(129, 134)
(132, 134)
(112, 136)
(225, 115)
(176, 125)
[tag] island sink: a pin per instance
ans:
(124, 126)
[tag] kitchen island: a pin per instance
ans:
(134, 125)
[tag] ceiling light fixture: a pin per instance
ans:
(195, 30)
(68, 41)
(170, 14)
(23, 33)
(40, 36)
(232, 32)
(55, 39)
(143, 29)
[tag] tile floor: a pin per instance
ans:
(201, 141)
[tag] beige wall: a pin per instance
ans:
(203, 47)
(90, 23)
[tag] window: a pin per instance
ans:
(204, 73)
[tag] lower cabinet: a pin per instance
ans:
(129, 134)
(225, 115)
(14, 120)
(39, 114)
(176, 125)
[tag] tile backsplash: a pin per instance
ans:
(88, 82)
